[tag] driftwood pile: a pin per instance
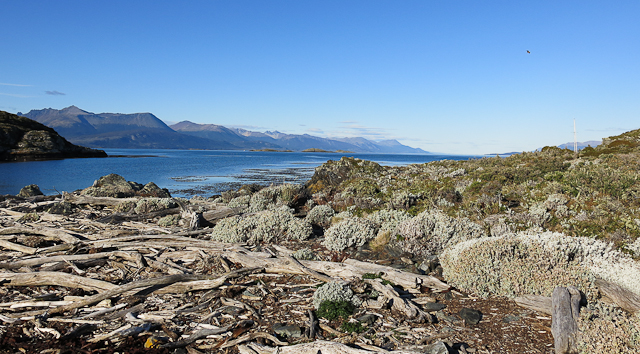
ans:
(99, 281)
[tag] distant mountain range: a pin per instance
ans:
(144, 130)
(581, 145)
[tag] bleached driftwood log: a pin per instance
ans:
(39, 230)
(619, 295)
(564, 325)
(56, 279)
(17, 247)
(535, 302)
(402, 306)
(349, 269)
(320, 346)
(132, 256)
(104, 201)
(145, 283)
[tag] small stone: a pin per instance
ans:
(247, 295)
(436, 348)
(470, 316)
(449, 319)
(510, 318)
(232, 310)
(287, 331)
(429, 264)
(368, 319)
(406, 260)
(433, 306)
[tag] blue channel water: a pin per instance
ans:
(184, 172)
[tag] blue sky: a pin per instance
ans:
(445, 76)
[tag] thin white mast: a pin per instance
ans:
(575, 137)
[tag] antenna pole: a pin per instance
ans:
(575, 138)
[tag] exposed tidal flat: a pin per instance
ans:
(184, 172)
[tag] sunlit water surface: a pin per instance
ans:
(184, 172)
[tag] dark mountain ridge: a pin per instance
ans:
(24, 139)
(145, 130)
(118, 130)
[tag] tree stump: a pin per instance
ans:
(565, 305)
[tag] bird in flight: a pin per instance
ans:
(528, 52)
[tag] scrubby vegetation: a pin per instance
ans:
(493, 226)
(595, 195)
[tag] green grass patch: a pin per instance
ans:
(333, 310)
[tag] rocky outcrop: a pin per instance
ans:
(115, 186)
(23, 139)
(30, 191)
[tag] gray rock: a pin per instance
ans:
(152, 190)
(436, 348)
(429, 264)
(287, 331)
(30, 191)
(111, 185)
(510, 318)
(368, 319)
(470, 316)
(452, 319)
(433, 306)
(62, 208)
(232, 310)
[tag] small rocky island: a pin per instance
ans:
(23, 139)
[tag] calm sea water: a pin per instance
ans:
(184, 172)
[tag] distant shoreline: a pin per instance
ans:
(307, 150)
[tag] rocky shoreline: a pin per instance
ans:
(362, 258)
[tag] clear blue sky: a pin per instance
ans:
(445, 76)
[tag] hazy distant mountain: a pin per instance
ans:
(221, 134)
(116, 130)
(144, 130)
(296, 142)
(581, 145)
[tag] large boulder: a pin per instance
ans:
(30, 191)
(115, 186)
(111, 185)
